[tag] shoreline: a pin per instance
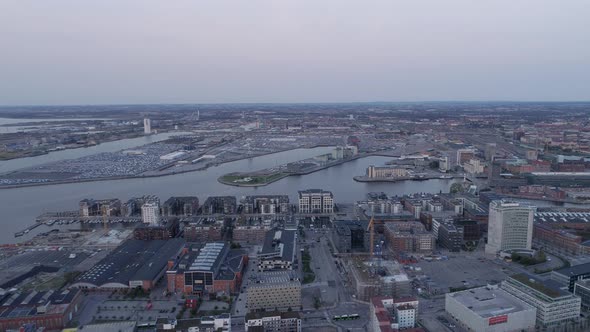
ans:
(362, 178)
(127, 177)
(313, 170)
(85, 146)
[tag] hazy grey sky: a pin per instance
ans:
(117, 51)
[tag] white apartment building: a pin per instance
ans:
(394, 313)
(147, 126)
(510, 226)
(150, 213)
(386, 172)
(316, 201)
(474, 166)
(275, 321)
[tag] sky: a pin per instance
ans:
(281, 51)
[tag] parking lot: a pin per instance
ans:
(142, 311)
(460, 270)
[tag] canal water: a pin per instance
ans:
(20, 206)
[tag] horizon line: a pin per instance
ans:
(303, 103)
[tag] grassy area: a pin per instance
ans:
(45, 282)
(7, 155)
(308, 274)
(246, 179)
(526, 260)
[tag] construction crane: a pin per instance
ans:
(105, 223)
(371, 229)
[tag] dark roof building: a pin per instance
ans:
(51, 309)
(181, 206)
(278, 251)
(351, 235)
(135, 263)
(569, 275)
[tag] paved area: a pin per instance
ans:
(23, 262)
(461, 270)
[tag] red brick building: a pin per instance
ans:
(214, 268)
(52, 310)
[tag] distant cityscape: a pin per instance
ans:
(373, 217)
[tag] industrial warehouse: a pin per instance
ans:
(135, 263)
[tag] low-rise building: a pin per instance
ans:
(554, 305)
(135, 263)
(203, 324)
(220, 205)
(99, 207)
(250, 233)
(386, 172)
(582, 290)
(124, 326)
(51, 310)
(180, 206)
(409, 236)
(393, 314)
(490, 308)
(266, 204)
(569, 275)
(203, 231)
(273, 321)
(450, 236)
(163, 231)
(278, 290)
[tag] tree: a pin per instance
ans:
(456, 188)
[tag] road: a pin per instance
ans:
(330, 286)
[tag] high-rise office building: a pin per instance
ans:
(147, 126)
(510, 226)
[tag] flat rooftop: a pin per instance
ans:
(281, 242)
(575, 270)
(489, 302)
(210, 257)
(548, 287)
(283, 315)
(273, 278)
(133, 260)
(23, 304)
(562, 217)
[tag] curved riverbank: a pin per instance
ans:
(225, 179)
(156, 175)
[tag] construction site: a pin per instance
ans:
(371, 270)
